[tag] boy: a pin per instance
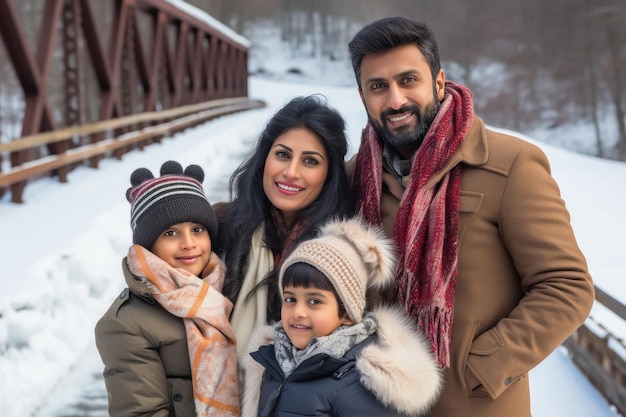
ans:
(329, 357)
(166, 343)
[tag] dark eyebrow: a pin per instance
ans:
(407, 72)
(316, 294)
(374, 80)
(411, 71)
(283, 146)
(287, 148)
(313, 153)
(310, 293)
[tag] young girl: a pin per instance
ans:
(166, 343)
(328, 356)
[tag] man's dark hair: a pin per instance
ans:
(391, 32)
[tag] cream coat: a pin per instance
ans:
(523, 284)
(398, 368)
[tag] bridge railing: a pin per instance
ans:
(87, 62)
(601, 354)
(157, 125)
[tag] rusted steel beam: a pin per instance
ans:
(155, 60)
(39, 115)
(219, 73)
(179, 63)
(71, 63)
(175, 13)
(71, 73)
(128, 77)
(32, 73)
(95, 47)
(212, 66)
(141, 60)
(17, 48)
(195, 64)
(205, 61)
(111, 102)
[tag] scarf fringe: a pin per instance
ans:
(437, 321)
(426, 224)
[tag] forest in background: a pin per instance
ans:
(531, 64)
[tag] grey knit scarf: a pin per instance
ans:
(335, 344)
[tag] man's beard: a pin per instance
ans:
(407, 136)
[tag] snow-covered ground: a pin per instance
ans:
(62, 248)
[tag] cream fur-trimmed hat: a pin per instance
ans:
(353, 255)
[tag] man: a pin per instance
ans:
(489, 268)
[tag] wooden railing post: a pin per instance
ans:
(592, 348)
(177, 119)
(123, 63)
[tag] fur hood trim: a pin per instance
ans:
(251, 372)
(373, 246)
(400, 369)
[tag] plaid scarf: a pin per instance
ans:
(210, 337)
(426, 226)
(336, 344)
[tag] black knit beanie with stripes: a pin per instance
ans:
(159, 203)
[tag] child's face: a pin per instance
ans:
(309, 312)
(184, 245)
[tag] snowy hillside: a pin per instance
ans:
(62, 250)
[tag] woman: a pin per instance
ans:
(293, 181)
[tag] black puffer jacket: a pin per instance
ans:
(334, 382)
(391, 373)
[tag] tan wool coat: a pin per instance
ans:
(523, 284)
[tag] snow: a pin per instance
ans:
(210, 20)
(62, 249)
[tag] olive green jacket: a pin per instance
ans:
(144, 350)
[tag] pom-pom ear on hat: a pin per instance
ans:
(175, 197)
(353, 256)
(370, 242)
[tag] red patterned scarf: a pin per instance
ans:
(289, 235)
(426, 226)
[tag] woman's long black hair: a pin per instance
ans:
(250, 206)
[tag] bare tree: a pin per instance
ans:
(530, 63)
